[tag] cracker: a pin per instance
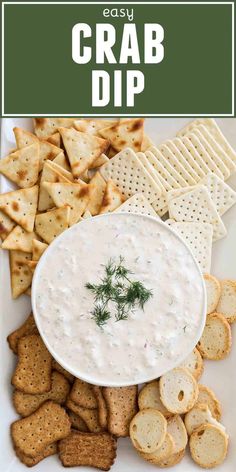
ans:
(194, 364)
(146, 143)
(172, 460)
(213, 291)
(178, 390)
(215, 342)
(21, 275)
(149, 397)
(207, 396)
(28, 327)
(44, 127)
(223, 196)
(198, 237)
(223, 169)
(198, 159)
(77, 422)
(46, 149)
(82, 149)
(19, 240)
(53, 173)
(175, 167)
(75, 195)
(55, 139)
(83, 395)
(147, 430)
(22, 166)
(61, 370)
(90, 416)
(32, 265)
(162, 453)
(6, 225)
(62, 161)
(166, 170)
(197, 206)
(99, 161)
(102, 407)
(31, 461)
(124, 134)
(92, 126)
(177, 430)
(48, 424)
(150, 169)
(222, 155)
(86, 215)
(129, 175)
(33, 371)
(88, 449)
(25, 403)
(122, 406)
(189, 156)
(97, 190)
(227, 302)
(208, 446)
(201, 149)
(184, 158)
(112, 198)
(198, 416)
(38, 249)
(20, 206)
(215, 131)
(137, 204)
(52, 223)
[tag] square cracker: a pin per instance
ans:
(214, 156)
(52, 223)
(20, 206)
(130, 176)
(33, 371)
(22, 166)
(21, 275)
(28, 327)
(76, 195)
(195, 155)
(198, 236)
(214, 129)
(82, 149)
(122, 406)
(88, 449)
(45, 426)
(223, 196)
(197, 205)
(171, 145)
(137, 204)
(189, 158)
(150, 169)
(175, 166)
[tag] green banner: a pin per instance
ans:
(149, 59)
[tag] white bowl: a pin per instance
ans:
(131, 364)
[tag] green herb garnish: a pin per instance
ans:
(116, 288)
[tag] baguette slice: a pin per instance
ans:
(207, 396)
(177, 430)
(148, 430)
(194, 363)
(162, 453)
(227, 301)
(149, 397)
(213, 290)
(208, 446)
(199, 415)
(179, 390)
(215, 343)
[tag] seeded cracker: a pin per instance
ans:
(52, 223)
(19, 240)
(82, 149)
(74, 195)
(97, 189)
(112, 198)
(25, 403)
(124, 134)
(122, 406)
(130, 176)
(22, 166)
(88, 449)
(48, 424)
(28, 327)
(20, 206)
(21, 275)
(83, 395)
(33, 371)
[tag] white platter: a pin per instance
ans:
(218, 375)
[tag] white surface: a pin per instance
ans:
(218, 375)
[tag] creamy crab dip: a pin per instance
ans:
(149, 340)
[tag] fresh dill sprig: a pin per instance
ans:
(117, 288)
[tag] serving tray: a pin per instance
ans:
(220, 376)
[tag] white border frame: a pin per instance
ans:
(4, 115)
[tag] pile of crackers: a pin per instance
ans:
(70, 169)
(80, 422)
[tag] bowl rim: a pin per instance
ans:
(59, 359)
